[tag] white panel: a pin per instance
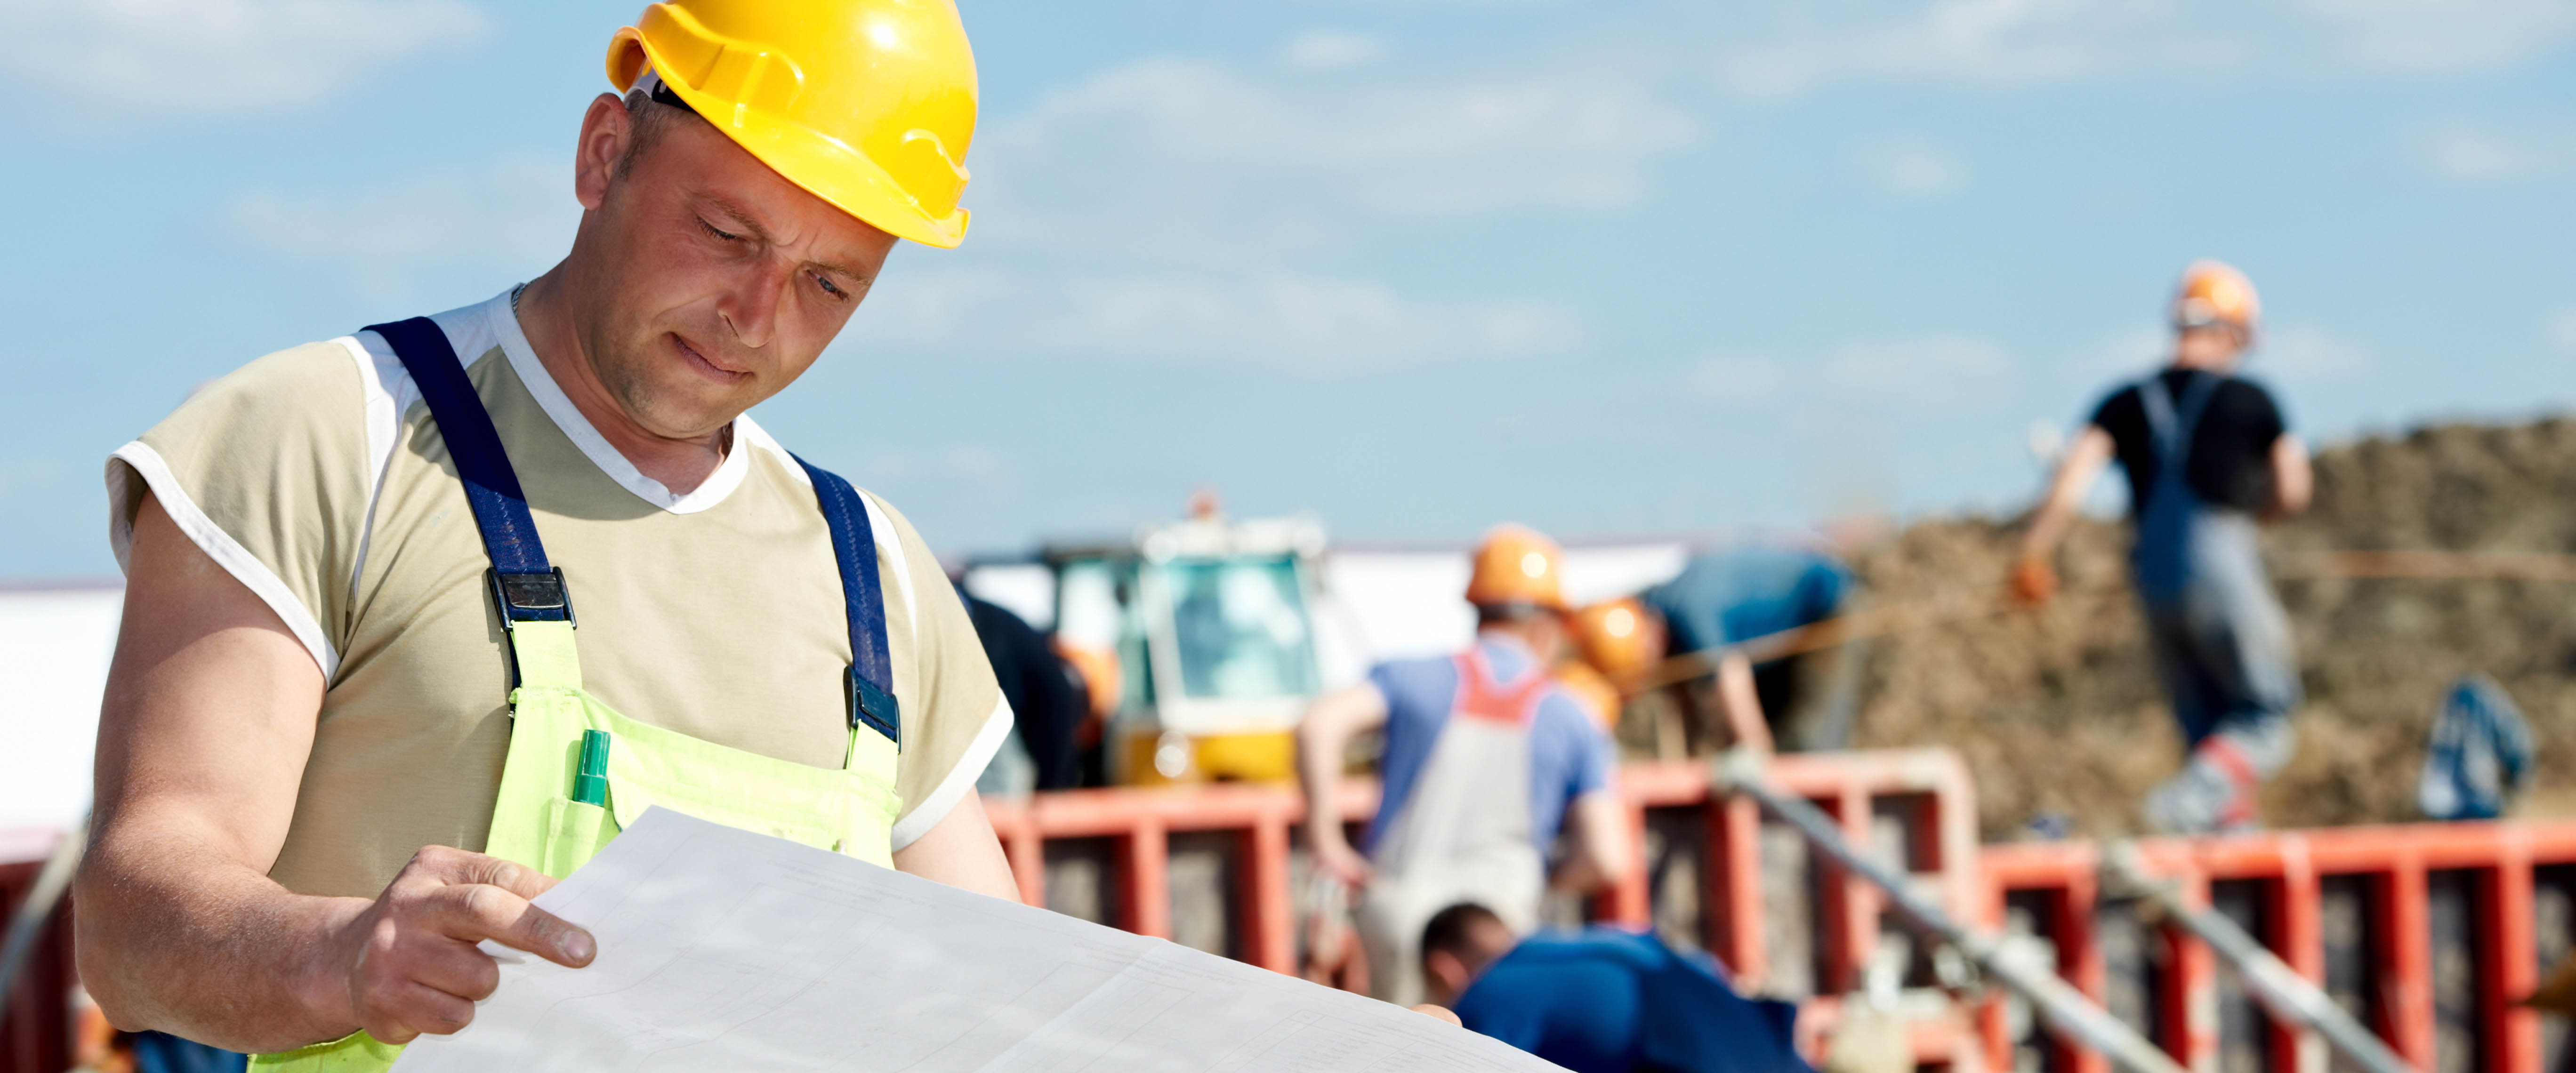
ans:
(1610, 571)
(1401, 604)
(1023, 589)
(54, 649)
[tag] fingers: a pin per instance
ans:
(508, 875)
(477, 911)
(1439, 1013)
(400, 1013)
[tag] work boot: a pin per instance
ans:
(2204, 798)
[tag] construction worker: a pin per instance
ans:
(352, 728)
(1602, 1000)
(2207, 456)
(1046, 698)
(1723, 598)
(1485, 758)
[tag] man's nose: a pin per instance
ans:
(750, 309)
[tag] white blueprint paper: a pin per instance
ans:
(725, 950)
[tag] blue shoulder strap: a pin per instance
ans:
(854, 544)
(531, 590)
(525, 585)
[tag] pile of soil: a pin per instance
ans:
(2058, 713)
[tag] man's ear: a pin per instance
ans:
(605, 131)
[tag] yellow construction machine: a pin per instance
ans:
(1198, 639)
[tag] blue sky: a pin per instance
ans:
(1416, 265)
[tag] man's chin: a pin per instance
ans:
(685, 415)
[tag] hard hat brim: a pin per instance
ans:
(797, 153)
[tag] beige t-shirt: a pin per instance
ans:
(316, 476)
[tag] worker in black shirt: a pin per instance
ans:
(1046, 702)
(2207, 457)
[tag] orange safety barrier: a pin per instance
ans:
(1700, 881)
(2429, 932)
(2434, 937)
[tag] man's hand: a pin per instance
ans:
(2034, 582)
(1322, 734)
(408, 964)
(1335, 857)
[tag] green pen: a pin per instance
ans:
(590, 780)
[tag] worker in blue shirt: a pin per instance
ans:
(1602, 1000)
(1721, 598)
(1486, 760)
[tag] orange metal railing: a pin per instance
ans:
(1916, 805)
(2486, 873)
(1711, 878)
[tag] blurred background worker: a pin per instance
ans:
(1048, 700)
(2207, 455)
(1602, 1000)
(1486, 758)
(1724, 598)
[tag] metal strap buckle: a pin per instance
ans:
(532, 597)
(875, 709)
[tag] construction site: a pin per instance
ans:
(1996, 752)
(1467, 537)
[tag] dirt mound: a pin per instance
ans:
(2057, 711)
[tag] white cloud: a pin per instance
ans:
(2442, 37)
(514, 214)
(1787, 48)
(1301, 320)
(1795, 47)
(2479, 152)
(1387, 146)
(96, 61)
(2312, 353)
(1934, 364)
(1738, 378)
(1311, 322)
(1911, 167)
(2559, 328)
(1332, 50)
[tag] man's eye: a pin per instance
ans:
(724, 235)
(829, 287)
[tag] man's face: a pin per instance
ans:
(719, 282)
(2213, 347)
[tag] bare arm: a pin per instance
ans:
(1322, 735)
(1741, 704)
(1600, 851)
(208, 719)
(2075, 475)
(961, 851)
(2293, 481)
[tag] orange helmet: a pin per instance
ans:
(1597, 694)
(1517, 565)
(2213, 293)
(1614, 637)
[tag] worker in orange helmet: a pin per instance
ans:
(1486, 758)
(1721, 599)
(2207, 456)
(1623, 639)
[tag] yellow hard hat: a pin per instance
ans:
(1615, 637)
(867, 104)
(2213, 293)
(1517, 565)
